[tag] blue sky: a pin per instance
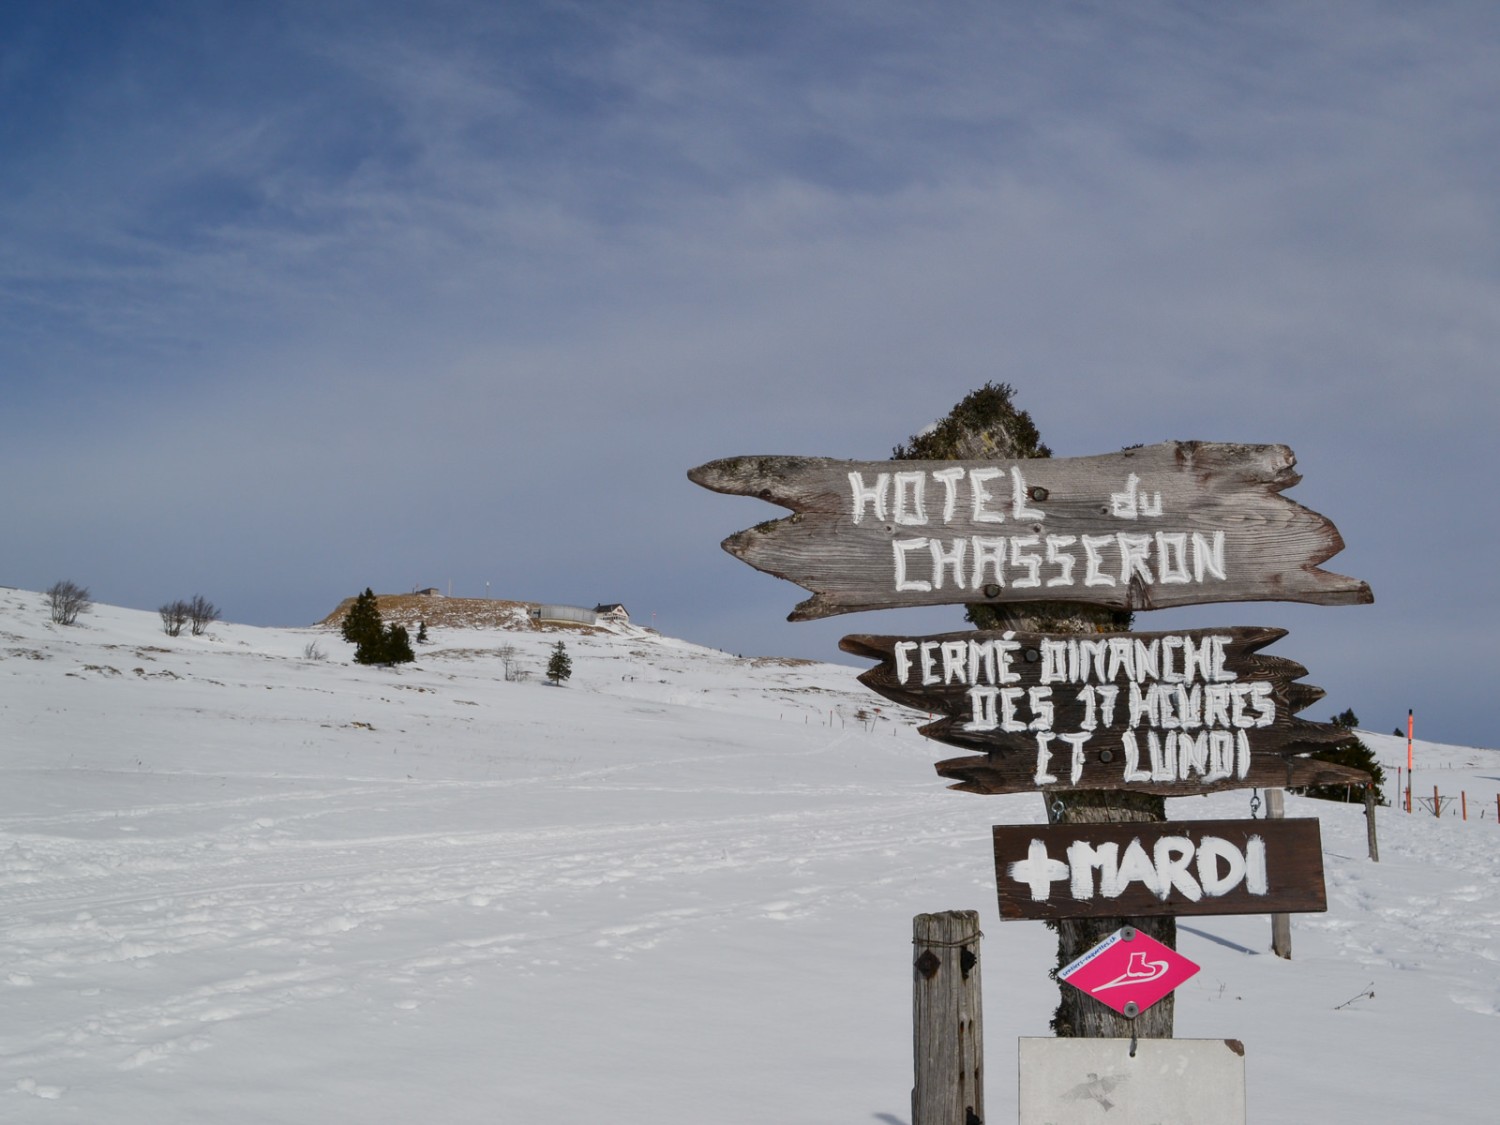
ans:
(300, 298)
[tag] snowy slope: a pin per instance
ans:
(242, 884)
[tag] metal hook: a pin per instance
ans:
(1058, 808)
(1254, 804)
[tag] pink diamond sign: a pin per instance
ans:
(1128, 971)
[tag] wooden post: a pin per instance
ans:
(1463, 796)
(1437, 803)
(1370, 823)
(1281, 924)
(946, 1020)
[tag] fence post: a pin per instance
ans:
(1370, 823)
(1437, 802)
(947, 1025)
(1463, 796)
(1281, 924)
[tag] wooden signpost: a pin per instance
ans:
(1181, 523)
(1175, 713)
(1169, 713)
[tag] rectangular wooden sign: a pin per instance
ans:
(1176, 713)
(1182, 867)
(1180, 523)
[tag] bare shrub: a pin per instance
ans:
(174, 615)
(201, 614)
(67, 600)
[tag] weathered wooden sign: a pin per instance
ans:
(1183, 867)
(1174, 712)
(1181, 523)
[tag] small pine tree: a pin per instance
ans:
(391, 645)
(560, 666)
(1353, 753)
(362, 622)
(421, 632)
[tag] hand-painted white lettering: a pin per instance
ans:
(982, 709)
(1173, 855)
(949, 479)
(903, 652)
(1163, 754)
(982, 497)
(1055, 662)
(1090, 720)
(1009, 697)
(899, 548)
(989, 559)
(1147, 660)
(1063, 562)
(1133, 771)
(1135, 867)
(909, 504)
(873, 495)
(976, 561)
(1108, 693)
(952, 558)
(929, 663)
(1122, 504)
(1083, 859)
(1208, 557)
(1020, 556)
(1093, 574)
(982, 662)
(1122, 659)
(1018, 509)
(955, 661)
(1175, 865)
(1038, 871)
(1172, 571)
(1256, 881)
(1076, 741)
(1129, 504)
(1216, 880)
(1007, 648)
(1135, 553)
(1043, 757)
(1040, 700)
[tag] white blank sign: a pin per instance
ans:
(1168, 1082)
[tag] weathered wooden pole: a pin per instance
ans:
(947, 1026)
(1370, 823)
(1281, 924)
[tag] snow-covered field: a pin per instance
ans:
(242, 884)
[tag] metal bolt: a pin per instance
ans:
(1127, 934)
(1106, 755)
(992, 591)
(1131, 1010)
(1039, 493)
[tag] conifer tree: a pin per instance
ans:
(560, 666)
(363, 619)
(1353, 753)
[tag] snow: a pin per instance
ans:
(240, 884)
